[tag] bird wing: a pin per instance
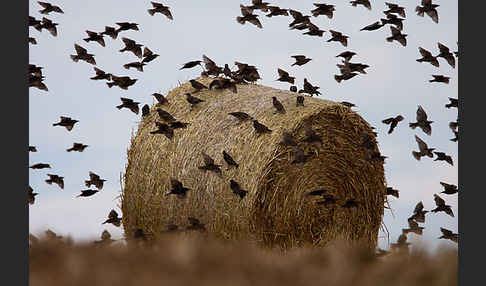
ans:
(207, 159)
(419, 207)
(433, 14)
(93, 176)
(443, 49)
(98, 71)
(424, 53)
(426, 2)
(388, 120)
(91, 33)
(295, 14)
(176, 184)
(63, 118)
(299, 57)
(113, 214)
(438, 200)
(44, 4)
(421, 144)
(80, 50)
(282, 73)
(157, 5)
(167, 13)
(128, 41)
(394, 31)
(421, 115)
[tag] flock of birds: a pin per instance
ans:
(225, 78)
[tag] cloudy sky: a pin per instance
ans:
(395, 84)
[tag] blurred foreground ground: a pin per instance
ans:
(183, 260)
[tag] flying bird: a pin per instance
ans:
(160, 99)
(229, 160)
(132, 46)
(276, 11)
(79, 147)
(419, 213)
(323, 9)
(113, 218)
(56, 180)
(440, 78)
(428, 8)
(101, 74)
(347, 55)
(125, 26)
(32, 149)
(209, 164)
(299, 18)
(191, 64)
(237, 190)
(441, 156)
(427, 57)
(110, 31)
(48, 8)
(397, 36)
(177, 188)
(422, 121)
(300, 60)
(338, 37)
(93, 36)
(424, 150)
(309, 88)
(392, 192)
(163, 128)
(160, 8)
(49, 26)
(394, 8)
(372, 27)
(95, 180)
(393, 122)
(447, 55)
(449, 189)
(32, 195)
(248, 16)
(122, 82)
(87, 193)
(66, 122)
(345, 76)
(82, 54)
(137, 65)
(40, 166)
(365, 3)
(448, 234)
(130, 104)
(393, 20)
(285, 77)
(414, 227)
(441, 206)
(148, 55)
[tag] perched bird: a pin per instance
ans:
(113, 218)
(48, 8)
(241, 116)
(160, 8)
(300, 60)
(82, 54)
(49, 26)
(348, 104)
(32, 41)
(365, 3)
(392, 192)
(278, 105)
(397, 36)
(393, 122)
(66, 122)
(300, 157)
(136, 65)
(338, 37)
(164, 115)
(148, 55)
(193, 100)
(248, 16)
(229, 160)
(125, 26)
(110, 31)
(347, 55)
(447, 55)
(401, 243)
(93, 36)
(413, 227)
(323, 9)
(32, 195)
(79, 147)
(178, 124)
(449, 189)
(351, 203)
(441, 156)
(319, 192)
(447, 234)
(87, 193)
(222, 83)
(428, 8)
(122, 82)
(197, 85)
(424, 150)
(285, 77)
(393, 20)
(95, 180)
(260, 128)
(132, 46)
(299, 100)
(422, 121)
(427, 57)
(105, 238)
(130, 104)
(163, 128)
(55, 179)
(395, 8)
(311, 136)
(454, 102)
(372, 27)
(309, 88)
(345, 76)
(177, 188)
(237, 190)
(440, 78)
(160, 99)
(287, 139)
(32, 149)
(145, 110)
(441, 206)
(209, 164)
(40, 166)
(101, 74)
(211, 67)
(276, 11)
(195, 224)
(419, 213)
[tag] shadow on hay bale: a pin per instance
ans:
(275, 212)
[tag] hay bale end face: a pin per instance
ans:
(275, 212)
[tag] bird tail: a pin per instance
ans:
(151, 11)
(413, 125)
(70, 149)
(432, 80)
(338, 78)
(420, 60)
(74, 58)
(390, 39)
(119, 106)
(416, 155)
(49, 182)
(55, 124)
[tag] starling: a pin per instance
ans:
(449, 189)
(191, 64)
(197, 85)
(309, 88)
(229, 160)
(87, 193)
(347, 55)
(160, 8)
(248, 16)
(49, 26)
(287, 139)
(33, 22)
(160, 99)
(165, 129)
(311, 136)
(193, 100)
(211, 67)
(393, 20)
(441, 156)
(209, 164)
(178, 125)
(164, 115)
(345, 76)
(298, 18)
(130, 104)
(365, 3)
(313, 30)
(372, 27)
(456, 134)
(401, 242)
(394, 8)
(300, 157)
(427, 57)
(145, 110)
(419, 213)
(278, 105)
(110, 31)
(82, 54)
(93, 36)
(300, 60)
(241, 116)
(293, 88)
(260, 128)
(285, 77)
(259, 5)
(392, 192)
(299, 100)
(177, 188)
(351, 203)
(136, 65)
(105, 238)
(35, 70)
(100, 74)
(113, 218)
(447, 234)
(424, 150)
(323, 9)
(348, 67)
(338, 37)
(397, 36)
(195, 224)
(48, 8)
(441, 206)
(319, 192)
(453, 125)
(66, 122)
(440, 78)
(36, 81)
(79, 147)
(422, 121)
(132, 46)
(393, 122)
(222, 83)
(454, 102)
(95, 180)
(447, 55)
(237, 190)
(428, 8)
(122, 82)
(125, 26)
(32, 41)
(148, 55)
(413, 227)
(348, 104)
(32, 196)
(32, 149)
(40, 166)
(276, 11)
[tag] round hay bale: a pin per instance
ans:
(276, 211)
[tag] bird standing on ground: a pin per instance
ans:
(278, 105)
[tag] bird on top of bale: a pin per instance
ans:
(260, 128)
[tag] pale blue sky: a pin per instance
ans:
(395, 84)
